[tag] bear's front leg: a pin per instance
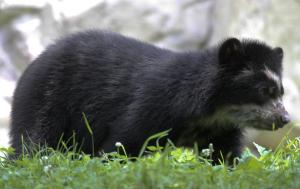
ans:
(227, 145)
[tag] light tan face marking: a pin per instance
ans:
(247, 115)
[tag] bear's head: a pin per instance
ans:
(250, 90)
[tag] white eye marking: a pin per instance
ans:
(272, 76)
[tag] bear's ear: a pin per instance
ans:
(230, 51)
(278, 51)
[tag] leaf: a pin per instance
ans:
(158, 135)
(154, 148)
(245, 155)
(87, 123)
(251, 163)
(261, 150)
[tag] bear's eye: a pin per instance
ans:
(272, 91)
(269, 91)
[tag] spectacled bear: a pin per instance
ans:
(130, 90)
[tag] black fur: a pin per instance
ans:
(130, 90)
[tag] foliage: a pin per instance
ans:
(162, 168)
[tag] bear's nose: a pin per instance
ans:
(285, 119)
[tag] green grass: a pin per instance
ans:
(168, 168)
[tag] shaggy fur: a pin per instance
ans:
(130, 90)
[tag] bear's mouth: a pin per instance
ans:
(266, 117)
(263, 125)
